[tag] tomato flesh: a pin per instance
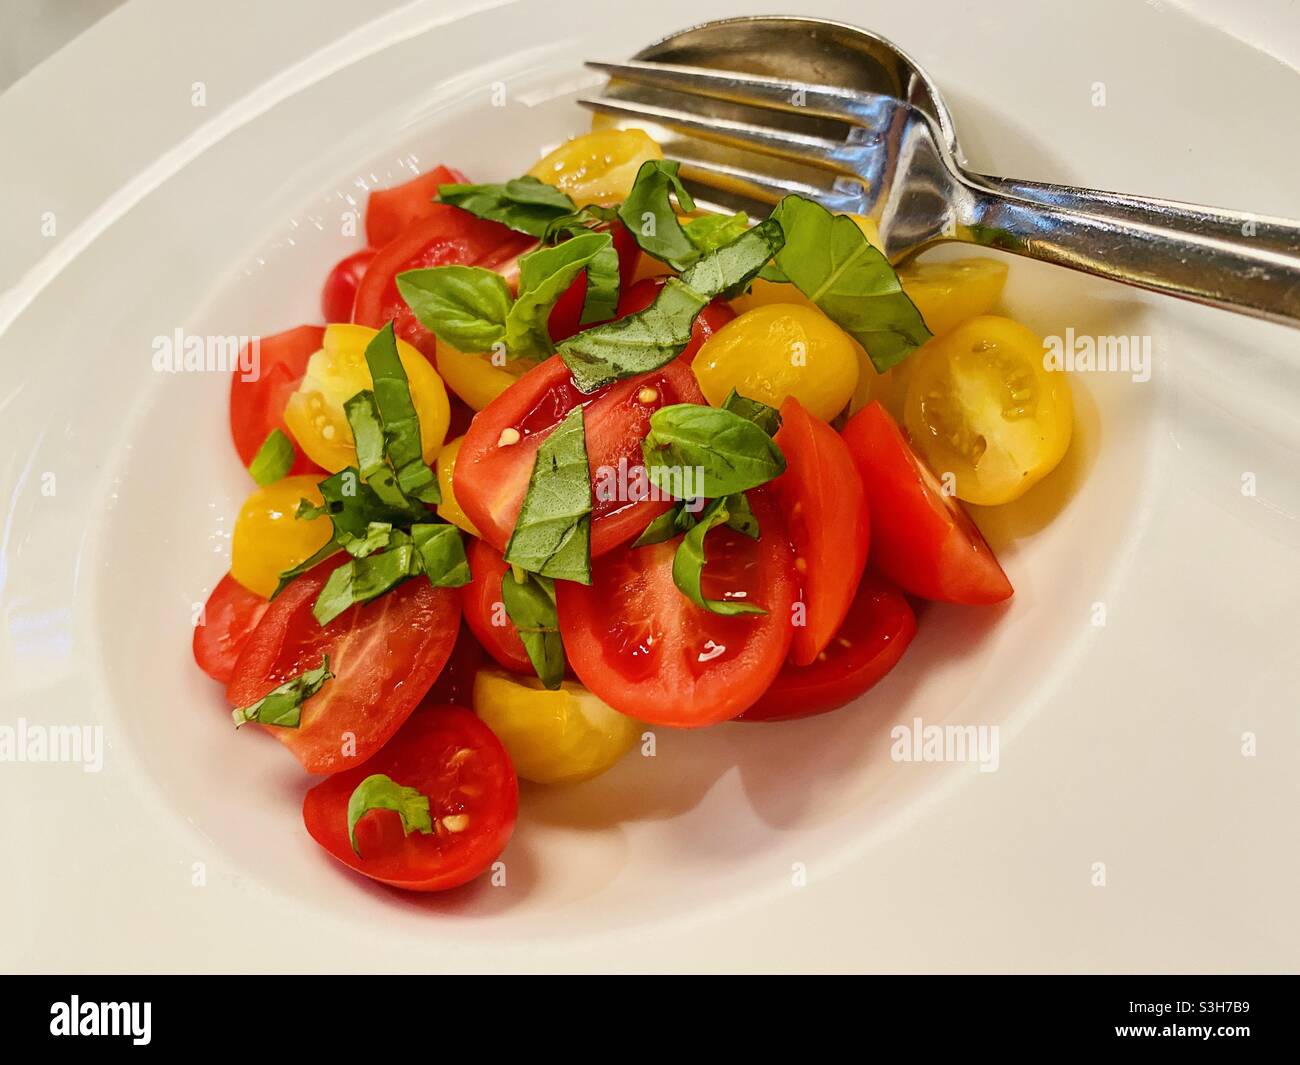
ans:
(717, 314)
(340, 289)
(257, 405)
(566, 315)
(229, 617)
(385, 655)
(879, 626)
(921, 539)
(456, 762)
(389, 211)
(455, 684)
(480, 601)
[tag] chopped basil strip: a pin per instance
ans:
(728, 270)
(741, 517)
(579, 221)
(360, 580)
(830, 261)
(766, 418)
(650, 216)
(525, 204)
(283, 707)
(714, 230)
(378, 537)
(670, 523)
(274, 459)
(464, 306)
(552, 535)
(379, 792)
(544, 275)
(688, 563)
(530, 602)
(601, 299)
(728, 453)
(368, 434)
(442, 554)
(401, 435)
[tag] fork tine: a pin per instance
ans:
(816, 151)
(762, 188)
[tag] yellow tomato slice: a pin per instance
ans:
(449, 510)
(982, 405)
(268, 539)
(955, 291)
(553, 737)
(779, 350)
(598, 167)
(474, 378)
(338, 372)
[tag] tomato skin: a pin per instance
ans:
(257, 405)
(826, 514)
(389, 211)
(229, 617)
(566, 315)
(879, 626)
(455, 684)
(920, 539)
(645, 649)
(340, 289)
(480, 603)
(445, 237)
(709, 321)
(386, 654)
(481, 787)
(490, 479)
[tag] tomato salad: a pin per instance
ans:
(571, 458)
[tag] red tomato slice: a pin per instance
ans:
(921, 539)
(709, 321)
(340, 289)
(480, 601)
(446, 236)
(455, 684)
(491, 477)
(229, 617)
(385, 655)
(257, 405)
(879, 626)
(450, 756)
(566, 315)
(636, 641)
(389, 211)
(826, 513)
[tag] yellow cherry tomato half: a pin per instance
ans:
(449, 510)
(553, 737)
(474, 377)
(982, 404)
(779, 350)
(954, 291)
(335, 374)
(598, 167)
(268, 539)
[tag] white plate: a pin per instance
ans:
(1121, 743)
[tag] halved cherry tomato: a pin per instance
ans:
(389, 211)
(229, 617)
(385, 655)
(497, 455)
(921, 539)
(826, 513)
(455, 684)
(597, 167)
(709, 321)
(645, 649)
(340, 289)
(257, 405)
(447, 236)
(480, 600)
(455, 761)
(879, 626)
(566, 315)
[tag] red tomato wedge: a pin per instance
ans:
(455, 761)
(229, 617)
(340, 290)
(480, 601)
(389, 211)
(709, 321)
(566, 315)
(826, 514)
(385, 655)
(491, 476)
(445, 237)
(455, 684)
(257, 405)
(636, 641)
(879, 626)
(921, 539)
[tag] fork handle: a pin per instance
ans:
(1220, 268)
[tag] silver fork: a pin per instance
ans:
(751, 139)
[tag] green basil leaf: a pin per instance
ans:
(530, 603)
(368, 435)
(601, 299)
(772, 272)
(283, 707)
(724, 452)
(766, 418)
(442, 554)
(729, 269)
(649, 215)
(525, 204)
(380, 792)
(464, 306)
(714, 230)
(552, 535)
(402, 443)
(669, 524)
(544, 275)
(362, 579)
(274, 459)
(378, 537)
(688, 564)
(741, 517)
(579, 221)
(830, 261)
